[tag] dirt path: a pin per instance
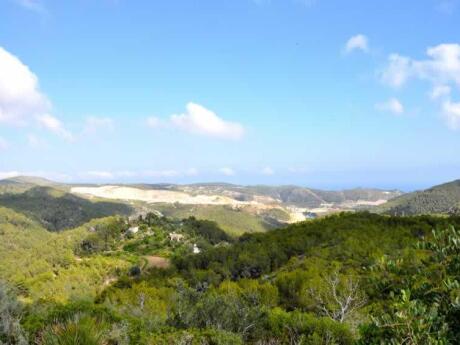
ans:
(156, 261)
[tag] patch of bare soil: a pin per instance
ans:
(156, 261)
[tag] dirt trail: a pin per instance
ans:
(156, 261)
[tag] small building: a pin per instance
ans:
(133, 230)
(196, 250)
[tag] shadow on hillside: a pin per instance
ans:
(57, 210)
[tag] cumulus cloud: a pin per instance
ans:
(20, 97)
(440, 91)
(441, 68)
(54, 125)
(398, 70)
(451, 112)
(94, 124)
(199, 120)
(393, 105)
(357, 42)
(21, 101)
(227, 171)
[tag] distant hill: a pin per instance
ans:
(441, 199)
(236, 208)
(56, 210)
(292, 195)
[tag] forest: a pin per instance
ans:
(350, 278)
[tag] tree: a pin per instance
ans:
(427, 309)
(11, 332)
(339, 298)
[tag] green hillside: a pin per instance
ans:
(441, 199)
(41, 265)
(56, 210)
(233, 221)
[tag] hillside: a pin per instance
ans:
(441, 199)
(237, 209)
(56, 210)
(293, 195)
(122, 287)
(42, 265)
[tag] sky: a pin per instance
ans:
(321, 93)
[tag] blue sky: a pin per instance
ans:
(322, 93)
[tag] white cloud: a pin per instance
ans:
(357, 42)
(268, 171)
(94, 124)
(200, 120)
(441, 68)
(227, 171)
(393, 105)
(20, 97)
(54, 125)
(21, 100)
(451, 111)
(440, 91)
(3, 144)
(398, 70)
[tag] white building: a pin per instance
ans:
(133, 230)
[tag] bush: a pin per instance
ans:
(11, 332)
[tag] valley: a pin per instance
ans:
(219, 264)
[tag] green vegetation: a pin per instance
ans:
(56, 210)
(234, 221)
(42, 264)
(442, 199)
(351, 278)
